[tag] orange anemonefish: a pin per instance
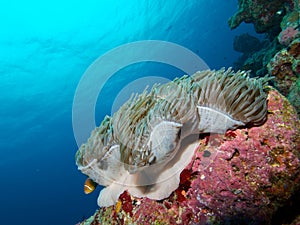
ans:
(89, 186)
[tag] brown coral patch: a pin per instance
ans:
(294, 48)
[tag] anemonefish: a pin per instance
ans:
(89, 186)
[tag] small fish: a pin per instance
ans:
(89, 186)
(279, 12)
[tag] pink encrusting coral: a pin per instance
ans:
(254, 168)
(288, 35)
(241, 177)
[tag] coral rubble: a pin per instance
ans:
(241, 177)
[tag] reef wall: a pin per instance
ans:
(279, 54)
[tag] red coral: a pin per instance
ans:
(185, 177)
(180, 195)
(230, 134)
(184, 185)
(126, 202)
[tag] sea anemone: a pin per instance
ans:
(147, 143)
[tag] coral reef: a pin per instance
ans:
(257, 61)
(285, 67)
(291, 19)
(296, 221)
(265, 15)
(279, 56)
(294, 96)
(287, 35)
(241, 177)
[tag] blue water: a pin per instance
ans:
(45, 48)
